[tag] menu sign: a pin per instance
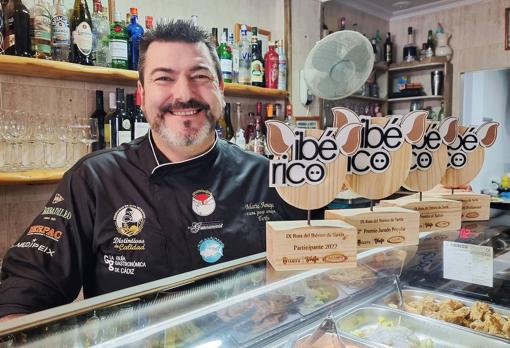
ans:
(468, 263)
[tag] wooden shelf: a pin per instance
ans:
(32, 67)
(429, 63)
(420, 97)
(39, 176)
(354, 96)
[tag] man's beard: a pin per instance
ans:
(188, 138)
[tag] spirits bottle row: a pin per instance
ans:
(46, 32)
(243, 62)
(250, 131)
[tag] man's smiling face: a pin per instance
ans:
(182, 96)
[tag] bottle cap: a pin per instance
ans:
(133, 11)
(116, 16)
(244, 30)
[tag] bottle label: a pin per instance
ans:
(60, 31)
(226, 66)
(42, 33)
(118, 49)
(124, 137)
(257, 71)
(82, 38)
(235, 60)
(107, 134)
(141, 128)
(126, 124)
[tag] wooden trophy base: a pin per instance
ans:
(383, 226)
(436, 214)
(295, 245)
(475, 206)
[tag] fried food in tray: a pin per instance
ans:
(353, 278)
(479, 316)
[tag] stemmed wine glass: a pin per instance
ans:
(89, 131)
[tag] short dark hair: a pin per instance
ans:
(177, 31)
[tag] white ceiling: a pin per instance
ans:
(398, 9)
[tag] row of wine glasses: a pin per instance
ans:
(41, 141)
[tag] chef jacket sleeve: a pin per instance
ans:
(46, 266)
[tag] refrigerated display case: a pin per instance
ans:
(245, 303)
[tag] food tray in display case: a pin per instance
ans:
(352, 280)
(477, 317)
(318, 294)
(390, 327)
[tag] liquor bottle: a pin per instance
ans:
(244, 58)
(118, 43)
(430, 44)
(99, 114)
(258, 144)
(149, 23)
(120, 123)
(325, 29)
(240, 139)
(440, 114)
(225, 56)
(257, 63)
(271, 61)
(229, 130)
(289, 120)
(249, 132)
(388, 50)
(194, 20)
(235, 57)
(107, 120)
(17, 29)
(128, 19)
(40, 22)
(282, 66)
(410, 51)
(214, 37)
(221, 127)
(135, 32)
(81, 34)
(60, 35)
(341, 24)
(100, 33)
(269, 115)
(378, 43)
(259, 116)
(140, 125)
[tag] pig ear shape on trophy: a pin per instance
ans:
(280, 137)
(448, 130)
(343, 116)
(348, 138)
(414, 126)
(487, 133)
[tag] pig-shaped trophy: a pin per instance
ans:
(308, 169)
(378, 169)
(465, 160)
(430, 160)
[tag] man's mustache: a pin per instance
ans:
(191, 104)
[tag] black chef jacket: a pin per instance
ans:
(127, 216)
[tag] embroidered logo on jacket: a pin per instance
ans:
(211, 249)
(203, 202)
(129, 220)
(57, 199)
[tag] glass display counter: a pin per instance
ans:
(245, 303)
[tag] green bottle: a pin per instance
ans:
(225, 55)
(118, 43)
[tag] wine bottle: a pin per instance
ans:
(81, 34)
(60, 35)
(99, 114)
(118, 43)
(229, 129)
(108, 120)
(140, 125)
(17, 29)
(271, 67)
(410, 53)
(257, 62)
(120, 122)
(135, 33)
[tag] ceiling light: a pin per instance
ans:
(401, 5)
